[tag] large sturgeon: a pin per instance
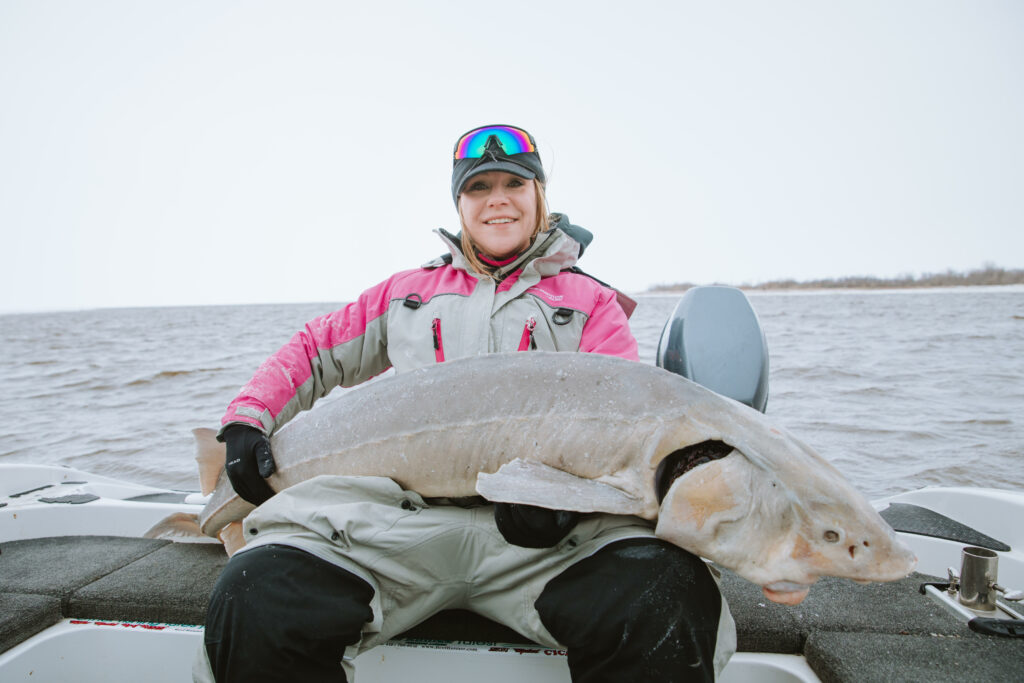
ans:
(589, 433)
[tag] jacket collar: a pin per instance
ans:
(550, 253)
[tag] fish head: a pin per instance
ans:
(779, 515)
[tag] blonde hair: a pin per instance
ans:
(469, 248)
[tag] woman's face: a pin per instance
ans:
(500, 212)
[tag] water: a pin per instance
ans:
(898, 389)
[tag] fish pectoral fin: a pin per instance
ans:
(233, 537)
(533, 483)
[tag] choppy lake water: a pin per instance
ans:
(899, 389)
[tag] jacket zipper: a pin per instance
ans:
(526, 342)
(438, 345)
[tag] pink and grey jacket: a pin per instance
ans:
(441, 311)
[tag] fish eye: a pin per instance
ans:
(831, 536)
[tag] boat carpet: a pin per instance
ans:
(847, 632)
(23, 615)
(836, 657)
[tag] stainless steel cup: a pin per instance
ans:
(978, 575)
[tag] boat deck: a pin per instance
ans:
(846, 632)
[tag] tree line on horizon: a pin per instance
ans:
(988, 275)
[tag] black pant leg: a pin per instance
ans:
(280, 614)
(637, 610)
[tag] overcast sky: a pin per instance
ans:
(207, 151)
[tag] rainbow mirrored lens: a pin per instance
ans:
(512, 141)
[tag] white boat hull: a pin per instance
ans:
(998, 513)
(88, 651)
(119, 508)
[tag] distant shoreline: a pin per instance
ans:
(987, 276)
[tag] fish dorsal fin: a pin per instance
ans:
(210, 456)
(534, 483)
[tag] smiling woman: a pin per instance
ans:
(302, 592)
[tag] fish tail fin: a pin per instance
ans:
(179, 526)
(210, 456)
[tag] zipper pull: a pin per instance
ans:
(438, 344)
(526, 342)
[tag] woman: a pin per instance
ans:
(625, 605)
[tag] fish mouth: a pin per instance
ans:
(786, 592)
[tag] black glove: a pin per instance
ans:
(533, 527)
(249, 462)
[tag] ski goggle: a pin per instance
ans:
(511, 139)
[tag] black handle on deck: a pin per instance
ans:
(989, 626)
